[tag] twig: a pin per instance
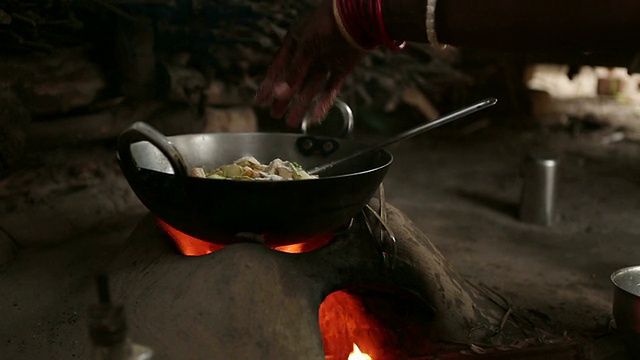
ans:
(118, 11)
(505, 318)
(24, 19)
(5, 19)
(33, 44)
(506, 305)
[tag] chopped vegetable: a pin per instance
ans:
(248, 168)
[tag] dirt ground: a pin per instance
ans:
(66, 209)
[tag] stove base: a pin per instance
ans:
(248, 301)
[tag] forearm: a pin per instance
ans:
(520, 25)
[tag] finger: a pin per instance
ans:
(295, 78)
(313, 86)
(297, 73)
(282, 91)
(325, 100)
(275, 70)
(281, 98)
(279, 107)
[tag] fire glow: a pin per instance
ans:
(345, 321)
(191, 246)
(362, 323)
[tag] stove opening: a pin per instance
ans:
(191, 246)
(363, 323)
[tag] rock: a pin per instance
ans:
(235, 119)
(54, 83)
(218, 93)
(64, 214)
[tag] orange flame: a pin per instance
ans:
(187, 244)
(356, 354)
(192, 246)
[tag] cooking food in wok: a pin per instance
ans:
(211, 209)
(249, 168)
(157, 169)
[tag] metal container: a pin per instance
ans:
(626, 307)
(540, 190)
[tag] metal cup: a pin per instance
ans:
(540, 190)
(626, 307)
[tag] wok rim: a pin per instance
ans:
(261, 134)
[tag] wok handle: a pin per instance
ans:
(141, 131)
(347, 119)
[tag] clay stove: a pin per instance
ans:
(378, 285)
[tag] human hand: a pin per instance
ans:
(309, 69)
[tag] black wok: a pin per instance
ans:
(156, 168)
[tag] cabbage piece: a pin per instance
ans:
(249, 168)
